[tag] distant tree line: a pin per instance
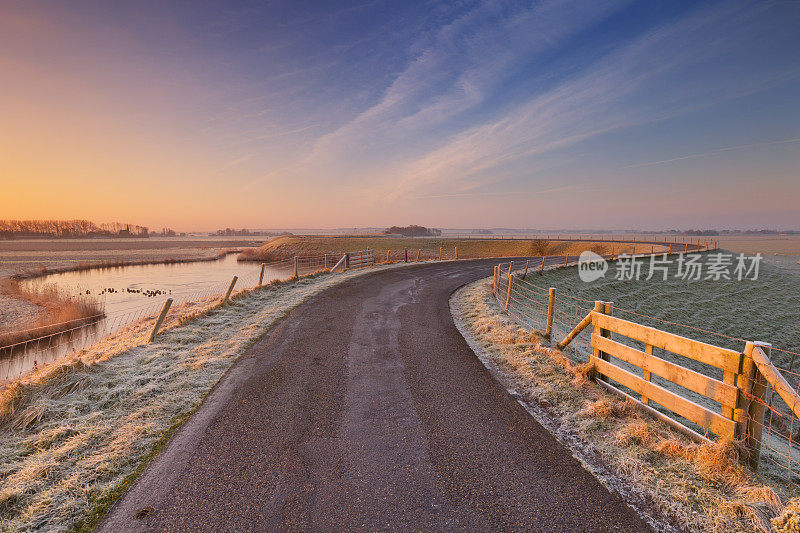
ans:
(413, 231)
(68, 228)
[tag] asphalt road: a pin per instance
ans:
(364, 409)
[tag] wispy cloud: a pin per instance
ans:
(434, 128)
(713, 152)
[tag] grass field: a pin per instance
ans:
(766, 245)
(290, 246)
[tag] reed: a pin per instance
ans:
(60, 313)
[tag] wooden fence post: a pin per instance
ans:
(419, 253)
(551, 298)
(261, 276)
(566, 259)
(440, 253)
(160, 319)
(541, 267)
(346, 260)
(646, 374)
(456, 252)
(405, 254)
(388, 257)
(525, 273)
(326, 261)
(606, 309)
(752, 391)
(598, 307)
(295, 266)
(508, 295)
(230, 289)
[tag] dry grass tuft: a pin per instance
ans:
(581, 372)
(637, 432)
(717, 461)
(608, 407)
(788, 521)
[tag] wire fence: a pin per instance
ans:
(42, 346)
(765, 414)
(19, 358)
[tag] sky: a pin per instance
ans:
(464, 114)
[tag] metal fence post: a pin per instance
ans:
(160, 319)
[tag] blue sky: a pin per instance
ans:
(565, 114)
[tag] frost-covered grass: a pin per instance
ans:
(289, 246)
(74, 434)
(661, 472)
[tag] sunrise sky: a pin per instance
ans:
(200, 115)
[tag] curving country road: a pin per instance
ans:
(364, 409)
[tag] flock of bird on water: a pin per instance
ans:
(145, 292)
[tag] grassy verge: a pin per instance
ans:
(75, 434)
(59, 312)
(290, 246)
(675, 481)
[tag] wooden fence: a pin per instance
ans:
(703, 390)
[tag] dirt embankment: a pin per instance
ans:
(290, 246)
